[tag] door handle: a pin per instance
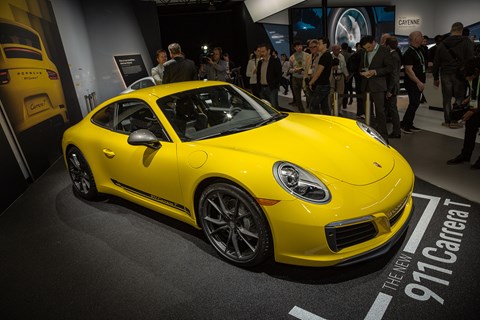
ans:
(109, 153)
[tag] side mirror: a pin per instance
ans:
(144, 137)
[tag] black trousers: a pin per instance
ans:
(471, 130)
(380, 123)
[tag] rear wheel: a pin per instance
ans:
(234, 224)
(81, 175)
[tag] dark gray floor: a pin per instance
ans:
(64, 258)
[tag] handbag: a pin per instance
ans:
(458, 111)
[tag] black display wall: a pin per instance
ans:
(230, 26)
(12, 178)
(54, 41)
(147, 17)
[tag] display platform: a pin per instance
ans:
(65, 258)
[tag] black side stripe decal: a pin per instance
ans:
(152, 197)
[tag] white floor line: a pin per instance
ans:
(301, 314)
(422, 224)
(379, 307)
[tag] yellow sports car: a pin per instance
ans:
(312, 190)
(30, 87)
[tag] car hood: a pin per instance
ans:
(319, 144)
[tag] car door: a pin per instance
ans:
(143, 173)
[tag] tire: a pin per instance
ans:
(356, 24)
(234, 224)
(81, 175)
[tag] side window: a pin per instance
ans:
(105, 116)
(147, 83)
(136, 86)
(135, 115)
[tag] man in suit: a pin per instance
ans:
(393, 87)
(178, 68)
(375, 66)
(269, 75)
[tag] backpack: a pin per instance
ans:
(353, 63)
(460, 72)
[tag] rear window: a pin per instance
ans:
(11, 34)
(129, 116)
(22, 53)
(105, 116)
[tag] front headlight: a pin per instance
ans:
(372, 132)
(300, 183)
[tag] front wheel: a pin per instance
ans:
(81, 175)
(234, 224)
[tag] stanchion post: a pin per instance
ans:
(94, 96)
(335, 103)
(87, 103)
(90, 99)
(367, 108)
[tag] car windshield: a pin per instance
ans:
(215, 111)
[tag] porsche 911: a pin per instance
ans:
(310, 190)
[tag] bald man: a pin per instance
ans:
(415, 67)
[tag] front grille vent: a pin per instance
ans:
(340, 237)
(398, 211)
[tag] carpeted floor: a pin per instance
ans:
(65, 258)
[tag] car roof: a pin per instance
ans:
(163, 90)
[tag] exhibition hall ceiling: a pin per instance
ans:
(191, 2)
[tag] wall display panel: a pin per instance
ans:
(403, 42)
(131, 68)
(306, 23)
(279, 38)
(474, 30)
(344, 24)
(36, 88)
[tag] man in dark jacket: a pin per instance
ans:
(472, 116)
(178, 68)
(451, 53)
(269, 75)
(353, 66)
(393, 86)
(376, 64)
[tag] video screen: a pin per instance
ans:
(307, 23)
(344, 24)
(278, 35)
(474, 31)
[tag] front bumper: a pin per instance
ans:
(374, 217)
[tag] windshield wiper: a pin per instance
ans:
(274, 118)
(223, 133)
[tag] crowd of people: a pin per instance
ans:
(213, 66)
(317, 69)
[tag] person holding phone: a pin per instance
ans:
(375, 66)
(298, 61)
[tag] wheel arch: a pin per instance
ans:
(204, 184)
(210, 180)
(68, 147)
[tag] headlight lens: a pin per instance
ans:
(300, 183)
(372, 133)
